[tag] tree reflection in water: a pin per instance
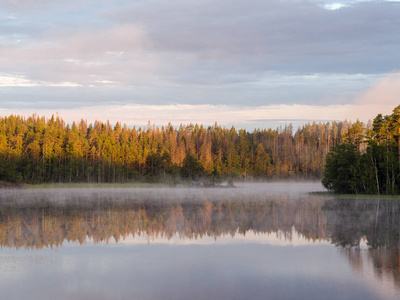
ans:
(40, 221)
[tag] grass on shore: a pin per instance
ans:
(354, 196)
(124, 185)
(96, 185)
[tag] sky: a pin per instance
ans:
(253, 63)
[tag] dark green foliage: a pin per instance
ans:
(342, 169)
(367, 163)
(191, 167)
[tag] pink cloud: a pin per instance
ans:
(119, 54)
(382, 98)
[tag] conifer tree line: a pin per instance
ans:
(368, 160)
(36, 150)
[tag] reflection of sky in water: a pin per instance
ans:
(160, 271)
(290, 258)
(277, 238)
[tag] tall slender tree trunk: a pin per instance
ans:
(398, 150)
(376, 175)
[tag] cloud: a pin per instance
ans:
(248, 117)
(14, 81)
(35, 6)
(291, 36)
(208, 39)
(321, 89)
(254, 53)
(119, 53)
(7, 80)
(335, 6)
(382, 97)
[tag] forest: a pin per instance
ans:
(349, 157)
(368, 160)
(38, 150)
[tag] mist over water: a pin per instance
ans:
(60, 194)
(257, 240)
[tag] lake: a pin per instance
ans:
(255, 241)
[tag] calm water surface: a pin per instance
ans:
(256, 241)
